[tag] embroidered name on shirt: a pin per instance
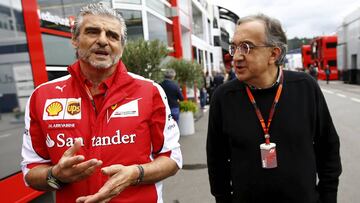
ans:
(61, 125)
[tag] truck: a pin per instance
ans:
(306, 56)
(323, 54)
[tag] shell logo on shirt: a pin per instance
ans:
(62, 109)
(54, 108)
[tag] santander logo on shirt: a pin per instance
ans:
(61, 140)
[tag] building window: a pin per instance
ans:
(184, 5)
(55, 46)
(158, 6)
(159, 29)
(16, 83)
(209, 31)
(197, 23)
(216, 41)
(59, 14)
(215, 23)
(134, 24)
(194, 53)
(200, 53)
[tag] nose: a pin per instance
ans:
(102, 40)
(238, 56)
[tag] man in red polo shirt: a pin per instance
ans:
(100, 133)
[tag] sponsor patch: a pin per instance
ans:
(129, 109)
(54, 108)
(73, 108)
(62, 109)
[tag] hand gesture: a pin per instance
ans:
(120, 177)
(72, 167)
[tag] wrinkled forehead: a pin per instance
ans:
(101, 22)
(250, 31)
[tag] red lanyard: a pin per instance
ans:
(272, 110)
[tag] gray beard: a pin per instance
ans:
(85, 55)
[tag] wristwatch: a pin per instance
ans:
(53, 182)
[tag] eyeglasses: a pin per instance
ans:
(244, 48)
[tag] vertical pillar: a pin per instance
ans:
(33, 36)
(177, 31)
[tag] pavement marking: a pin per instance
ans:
(327, 91)
(4, 135)
(341, 95)
(355, 99)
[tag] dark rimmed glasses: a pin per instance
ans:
(244, 48)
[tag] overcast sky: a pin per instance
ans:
(305, 18)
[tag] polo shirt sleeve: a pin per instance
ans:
(34, 150)
(164, 130)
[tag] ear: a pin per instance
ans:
(74, 42)
(275, 54)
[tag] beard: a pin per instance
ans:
(85, 55)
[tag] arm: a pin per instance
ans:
(181, 98)
(217, 150)
(70, 168)
(36, 159)
(327, 153)
(121, 177)
(166, 150)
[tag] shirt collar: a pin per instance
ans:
(103, 86)
(276, 83)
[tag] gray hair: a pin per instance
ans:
(169, 73)
(275, 35)
(99, 9)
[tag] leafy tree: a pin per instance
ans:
(143, 58)
(296, 43)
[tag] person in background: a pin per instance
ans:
(173, 93)
(327, 74)
(218, 79)
(314, 71)
(270, 134)
(208, 83)
(229, 72)
(99, 134)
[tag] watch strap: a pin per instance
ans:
(53, 181)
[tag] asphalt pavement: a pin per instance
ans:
(191, 184)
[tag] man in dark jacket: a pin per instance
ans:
(270, 133)
(173, 93)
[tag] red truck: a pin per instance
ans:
(306, 56)
(323, 54)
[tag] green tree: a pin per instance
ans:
(143, 58)
(296, 43)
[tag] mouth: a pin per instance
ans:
(101, 52)
(239, 67)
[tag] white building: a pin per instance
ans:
(348, 48)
